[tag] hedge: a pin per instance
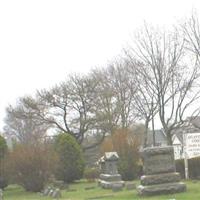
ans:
(193, 167)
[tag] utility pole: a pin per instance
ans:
(185, 155)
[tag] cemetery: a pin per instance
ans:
(127, 128)
(79, 193)
(159, 181)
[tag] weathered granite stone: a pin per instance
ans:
(165, 188)
(108, 177)
(50, 193)
(109, 185)
(130, 186)
(117, 187)
(160, 178)
(109, 172)
(158, 160)
(101, 163)
(111, 159)
(57, 193)
(46, 191)
(159, 172)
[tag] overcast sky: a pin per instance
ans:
(42, 41)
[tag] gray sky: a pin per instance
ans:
(42, 41)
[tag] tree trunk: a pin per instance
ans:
(153, 131)
(169, 138)
(145, 134)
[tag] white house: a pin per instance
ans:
(192, 125)
(178, 147)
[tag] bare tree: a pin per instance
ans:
(191, 32)
(170, 75)
(115, 96)
(68, 107)
(144, 97)
(81, 106)
(24, 128)
(106, 108)
(124, 86)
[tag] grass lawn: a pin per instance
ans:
(14, 192)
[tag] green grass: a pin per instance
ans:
(15, 192)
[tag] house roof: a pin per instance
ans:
(192, 125)
(195, 121)
(160, 137)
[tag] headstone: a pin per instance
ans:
(117, 187)
(51, 192)
(109, 172)
(130, 186)
(46, 191)
(56, 194)
(160, 175)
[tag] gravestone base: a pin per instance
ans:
(110, 178)
(110, 185)
(108, 181)
(160, 176)
(165, 188)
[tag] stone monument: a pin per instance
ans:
(160, 176)
(46, 191)
(56, 194)
(109, 176)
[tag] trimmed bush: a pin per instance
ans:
(3, 151)
(193, 167)
(91, 174)
(71, 162)
(31, 166)
(128, 168)
(3, 147)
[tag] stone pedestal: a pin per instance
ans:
(109, 176)
(109, 181)
(160, 175)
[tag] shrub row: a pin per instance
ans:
(193, 167)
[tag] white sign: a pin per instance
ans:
(192, 144)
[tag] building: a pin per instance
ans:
(160, 138)
(192, 125)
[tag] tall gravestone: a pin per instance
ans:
(109, 176)
(160, 176)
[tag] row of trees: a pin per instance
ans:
(156, 78)
(94, 104)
